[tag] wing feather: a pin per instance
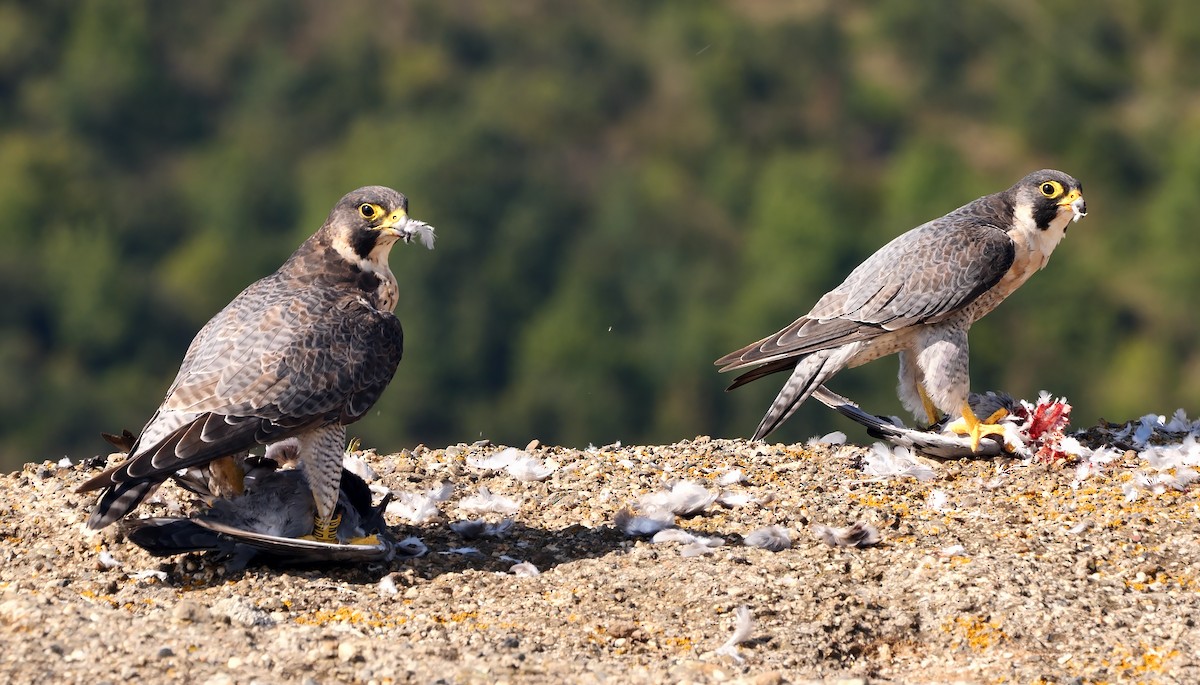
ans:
(922, 276)
(329, 365)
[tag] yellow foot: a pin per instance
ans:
(325, 530)
(371, 540)
(930, 410)
(971, 426)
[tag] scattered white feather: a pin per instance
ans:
(418, 508)
(1073, 447)
(1014, 438)
(731, 477)
(676, 535)
(495, 462)
(770, 538)
(1131, 491)
(683, 537)
(647, 523)
(387, 585)
(150, 573)
(478, 528)
(64, 463)
(858, 535)
(461, 550)
(358, 466)
(442, 492)
(107, 560)
(884, 461)
(695, 549)
(731, 500)
(524, 569)
(486, 502)
(685, 498)
(1174, 456)
(1095, 462)
(953, 551)
(412, 547)
(530, 469)
(1146, 428)
(937, 500)
(1179, 423)
(743, 628)
(834, 438)
(517, 463)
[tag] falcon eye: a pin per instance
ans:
(368, 211)
(1051, 189)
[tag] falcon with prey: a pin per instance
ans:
(917, 296)
(299, 354)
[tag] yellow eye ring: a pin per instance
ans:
(1051, 189)
(369, 211)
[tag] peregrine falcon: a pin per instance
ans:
(301, 353)
(917, 296)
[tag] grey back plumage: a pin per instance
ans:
(912, 279)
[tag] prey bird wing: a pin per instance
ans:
(268, 519)
(929, 443)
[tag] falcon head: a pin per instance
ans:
(366, 222)
(1054, 198)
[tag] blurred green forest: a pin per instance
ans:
(623, 191)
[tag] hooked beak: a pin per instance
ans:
(406, 228)
(1074, 200)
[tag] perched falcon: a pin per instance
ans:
(917, 296)
(301, 353)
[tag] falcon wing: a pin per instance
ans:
(922, 276)
(256, 376)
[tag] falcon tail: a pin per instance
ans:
(118, 500)
(808, 375)
(762, 372)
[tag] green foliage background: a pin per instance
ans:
(623, 192)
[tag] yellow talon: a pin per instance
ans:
(930, 410)
(325, 530)
(371, 540)
(970, 425)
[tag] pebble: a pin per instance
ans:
(348, 651)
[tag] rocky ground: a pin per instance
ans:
(984, 571)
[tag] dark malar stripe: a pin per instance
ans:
(362, 242)
(1044, 212)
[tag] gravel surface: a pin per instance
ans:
(983, 571)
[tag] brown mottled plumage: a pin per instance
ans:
(301, 353)
(917, 296)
